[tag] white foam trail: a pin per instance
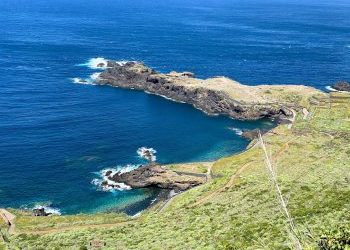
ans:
(48, 209)
(238, 131)
(147, 153)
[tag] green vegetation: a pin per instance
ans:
(27, 223)
(198, 168)
(238, 209)
(3, 234)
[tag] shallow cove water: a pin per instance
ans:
(56, 135)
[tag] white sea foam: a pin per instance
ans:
(95, 63)
(87, 81)
(238, 131)
(147, 153)
(105, 184)
(329, 88)
(122, 63)
(137, 215)
(48, 209)
(77, 80)
(101, 63)
(95, 76)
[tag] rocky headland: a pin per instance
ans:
(154, 175)
(218, 95)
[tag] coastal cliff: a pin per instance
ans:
(214, 96)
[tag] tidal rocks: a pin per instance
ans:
(342, 86)
(218, 98)
(154, 175)
(40, 212)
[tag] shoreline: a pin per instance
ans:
(191, 84)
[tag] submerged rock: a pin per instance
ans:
(154, 175)
(342, 86)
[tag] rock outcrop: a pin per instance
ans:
(342, 86)
(154, 175)
(214, 96)
(40, 212)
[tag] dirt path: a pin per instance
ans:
(228, 184)
(236, 175)
(9, 219)
(209, 176)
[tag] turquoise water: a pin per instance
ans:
(56, 135)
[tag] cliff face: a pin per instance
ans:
(213, 96)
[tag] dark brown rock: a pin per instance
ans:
(137, 76)
(158, 176)
(40, 212)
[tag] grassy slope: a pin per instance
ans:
(239, 210)
(3, 234)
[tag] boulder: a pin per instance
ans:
(40, 212)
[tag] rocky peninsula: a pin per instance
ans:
(154, 175)
(218, 95)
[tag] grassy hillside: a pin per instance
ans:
(238, 209)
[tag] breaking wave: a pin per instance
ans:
(100, 63)
(329, 88)
(95, 63)
(238, 131)
(47, 206)
(87, 81)
(147, 153)
(105, 184)
(48, 209)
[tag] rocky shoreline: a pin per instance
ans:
(342, 86)
(154, 175)
(214, 96)
(208, 95)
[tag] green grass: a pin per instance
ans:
(3, 234)
(312, 162)
(27, 223)
(199, 168)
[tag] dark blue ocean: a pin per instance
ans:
(55, 136)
